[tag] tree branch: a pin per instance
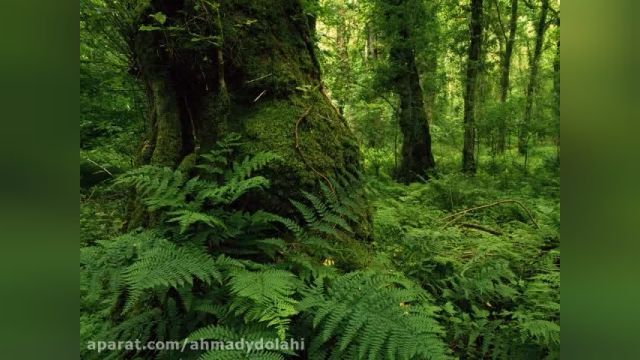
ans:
(460, 214)
(504, 34)
(481, 228)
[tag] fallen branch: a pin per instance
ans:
(481, 228)
(452, 221)
(462, 213)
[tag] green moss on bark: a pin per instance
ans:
(168, 141)
(325, 143)
(271, 78)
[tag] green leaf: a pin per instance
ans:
(149, 28)
(159, 17)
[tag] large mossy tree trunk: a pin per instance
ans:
(473, 65)
(247, 67)
(534, 67)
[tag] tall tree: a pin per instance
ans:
(556, 90)
(471, 84)
(523, 138)
(505, 69)
(370, 45)
(210, 68)
(401, 27)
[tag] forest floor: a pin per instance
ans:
(485, 247)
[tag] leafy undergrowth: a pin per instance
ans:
(438, 280)
(494, 270)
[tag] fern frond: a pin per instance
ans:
(271, 246)
(307, 213)
(291, 225)
(318, 205)
(373, 316)
(171, 266)
(244, 169)
(186, 218)
(212, 309)
(231, 191)
(159, 187)
(265, 296)
(213, 332)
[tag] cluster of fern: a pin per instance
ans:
(205, 268)
(494, 272)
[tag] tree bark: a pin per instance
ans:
(431, 84)
(505, 72)
(370, 50)
(417, 157)
(523, 138)
(247, 67)
(473, 65)
(556, 93)
(399, 28)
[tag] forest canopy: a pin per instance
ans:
(358, 179)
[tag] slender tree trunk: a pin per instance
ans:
(523, 138)
(260, 79)
(417, 157)
(343, 62)
(370, 46)
(505, 72)
(430, 84)
(401, 21)
(473, 65)
(556, 93)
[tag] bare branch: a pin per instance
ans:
(460, 214)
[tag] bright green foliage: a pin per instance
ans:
(150, 277)
(373, 316)
(327, 220)
(223, 333)
(209, 262)
(166, 265)
(163, 188)
(195, 202)
(264, 296)
(499, 293)
(434, 289)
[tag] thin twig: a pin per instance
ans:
(91, 195)
(257, 79)
(100, 166)
(259, 96)
(460, 214)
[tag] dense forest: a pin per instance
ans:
(369, 179)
